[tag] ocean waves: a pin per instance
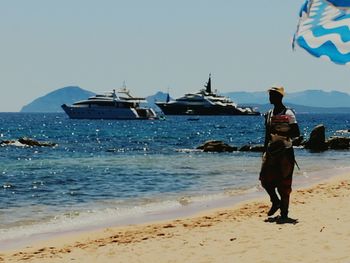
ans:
(158, 171)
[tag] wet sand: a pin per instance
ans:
(317, 232)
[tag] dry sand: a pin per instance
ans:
(242, 233)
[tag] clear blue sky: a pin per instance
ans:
(154, 45)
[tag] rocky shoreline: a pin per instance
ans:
(27, 142)
(316, 143)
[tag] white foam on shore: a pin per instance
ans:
(74, 222)
(79, 221)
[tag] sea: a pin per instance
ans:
(116, 172)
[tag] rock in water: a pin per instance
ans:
(31, 142)
(257, 148)
(216, 146)
(317, 140)
(252, 148)
(339, 143)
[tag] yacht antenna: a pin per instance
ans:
(208, 85)
(124, 85)
(124, 90)
(168, 96)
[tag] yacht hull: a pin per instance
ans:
(108, 113)
(182, 109)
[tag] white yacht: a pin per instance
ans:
(111, 105)
(204, 102)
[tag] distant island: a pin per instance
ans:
(52, 102)
(308, 101)
(311, 98)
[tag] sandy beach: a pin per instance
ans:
(319, 232)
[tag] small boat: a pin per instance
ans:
(204, 102)
(111, 105)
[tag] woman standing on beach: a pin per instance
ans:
(278, 159)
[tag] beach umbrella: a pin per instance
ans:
(324, 29)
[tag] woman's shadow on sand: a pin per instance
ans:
(281, 220)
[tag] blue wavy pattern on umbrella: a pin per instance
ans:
(324, 29)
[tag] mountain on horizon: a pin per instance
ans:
(308, 101)
(159, 96)
(52, 101)
(301, 109)
(311, 98)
